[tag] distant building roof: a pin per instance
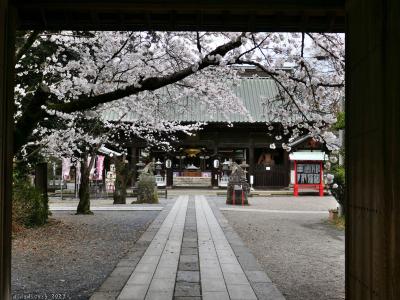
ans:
(300, 140)
(250, 90)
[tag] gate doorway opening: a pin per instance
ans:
(372, 235)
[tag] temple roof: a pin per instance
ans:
(252, 91)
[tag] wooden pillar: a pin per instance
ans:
(372, 149)
(7, 36)
(251, 158)
(286, 163)
(214, 172)
(168, 171)
(169, 177)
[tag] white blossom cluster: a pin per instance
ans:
(308, 70)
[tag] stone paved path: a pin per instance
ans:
(222, 277)
(192, 253)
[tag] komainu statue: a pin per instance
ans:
(238, 187)
(147, 187)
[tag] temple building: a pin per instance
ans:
(202, 159)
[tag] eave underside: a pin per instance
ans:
(189, 15)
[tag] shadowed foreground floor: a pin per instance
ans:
(70, 257)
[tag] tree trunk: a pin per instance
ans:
(41, 183)
(41, 180)
(84, 193)
(122, 177)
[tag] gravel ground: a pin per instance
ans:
(72, 255)
(302, 203)
(104, 202)
(301, 253)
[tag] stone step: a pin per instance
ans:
(192, 181)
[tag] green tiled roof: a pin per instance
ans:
(252, 91)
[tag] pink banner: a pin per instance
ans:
(66, 168)
(100, 167)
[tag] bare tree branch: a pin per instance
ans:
(27, 45)
(110, 59)
(198, 41)
(325, 49)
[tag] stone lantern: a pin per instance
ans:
(158, 167)
(139, 167)
(160, 180)
(223, 181)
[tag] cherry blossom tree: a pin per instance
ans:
(309, 71)
(141, 71)
(119, 71)
(66, 77)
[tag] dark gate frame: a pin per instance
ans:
(372, 106)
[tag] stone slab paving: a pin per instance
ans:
(187, 285)
(189, 252)
(154, 276)
(222, 277)
(114, 283)
(261, 283)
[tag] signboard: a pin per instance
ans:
(308, 173)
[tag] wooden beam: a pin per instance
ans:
(223, 15)
(7, 36)
(188, 5)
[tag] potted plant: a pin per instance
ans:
(333, 214)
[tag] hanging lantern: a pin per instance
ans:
(168, 163)
(216, 163)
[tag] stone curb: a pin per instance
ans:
(108, 208)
